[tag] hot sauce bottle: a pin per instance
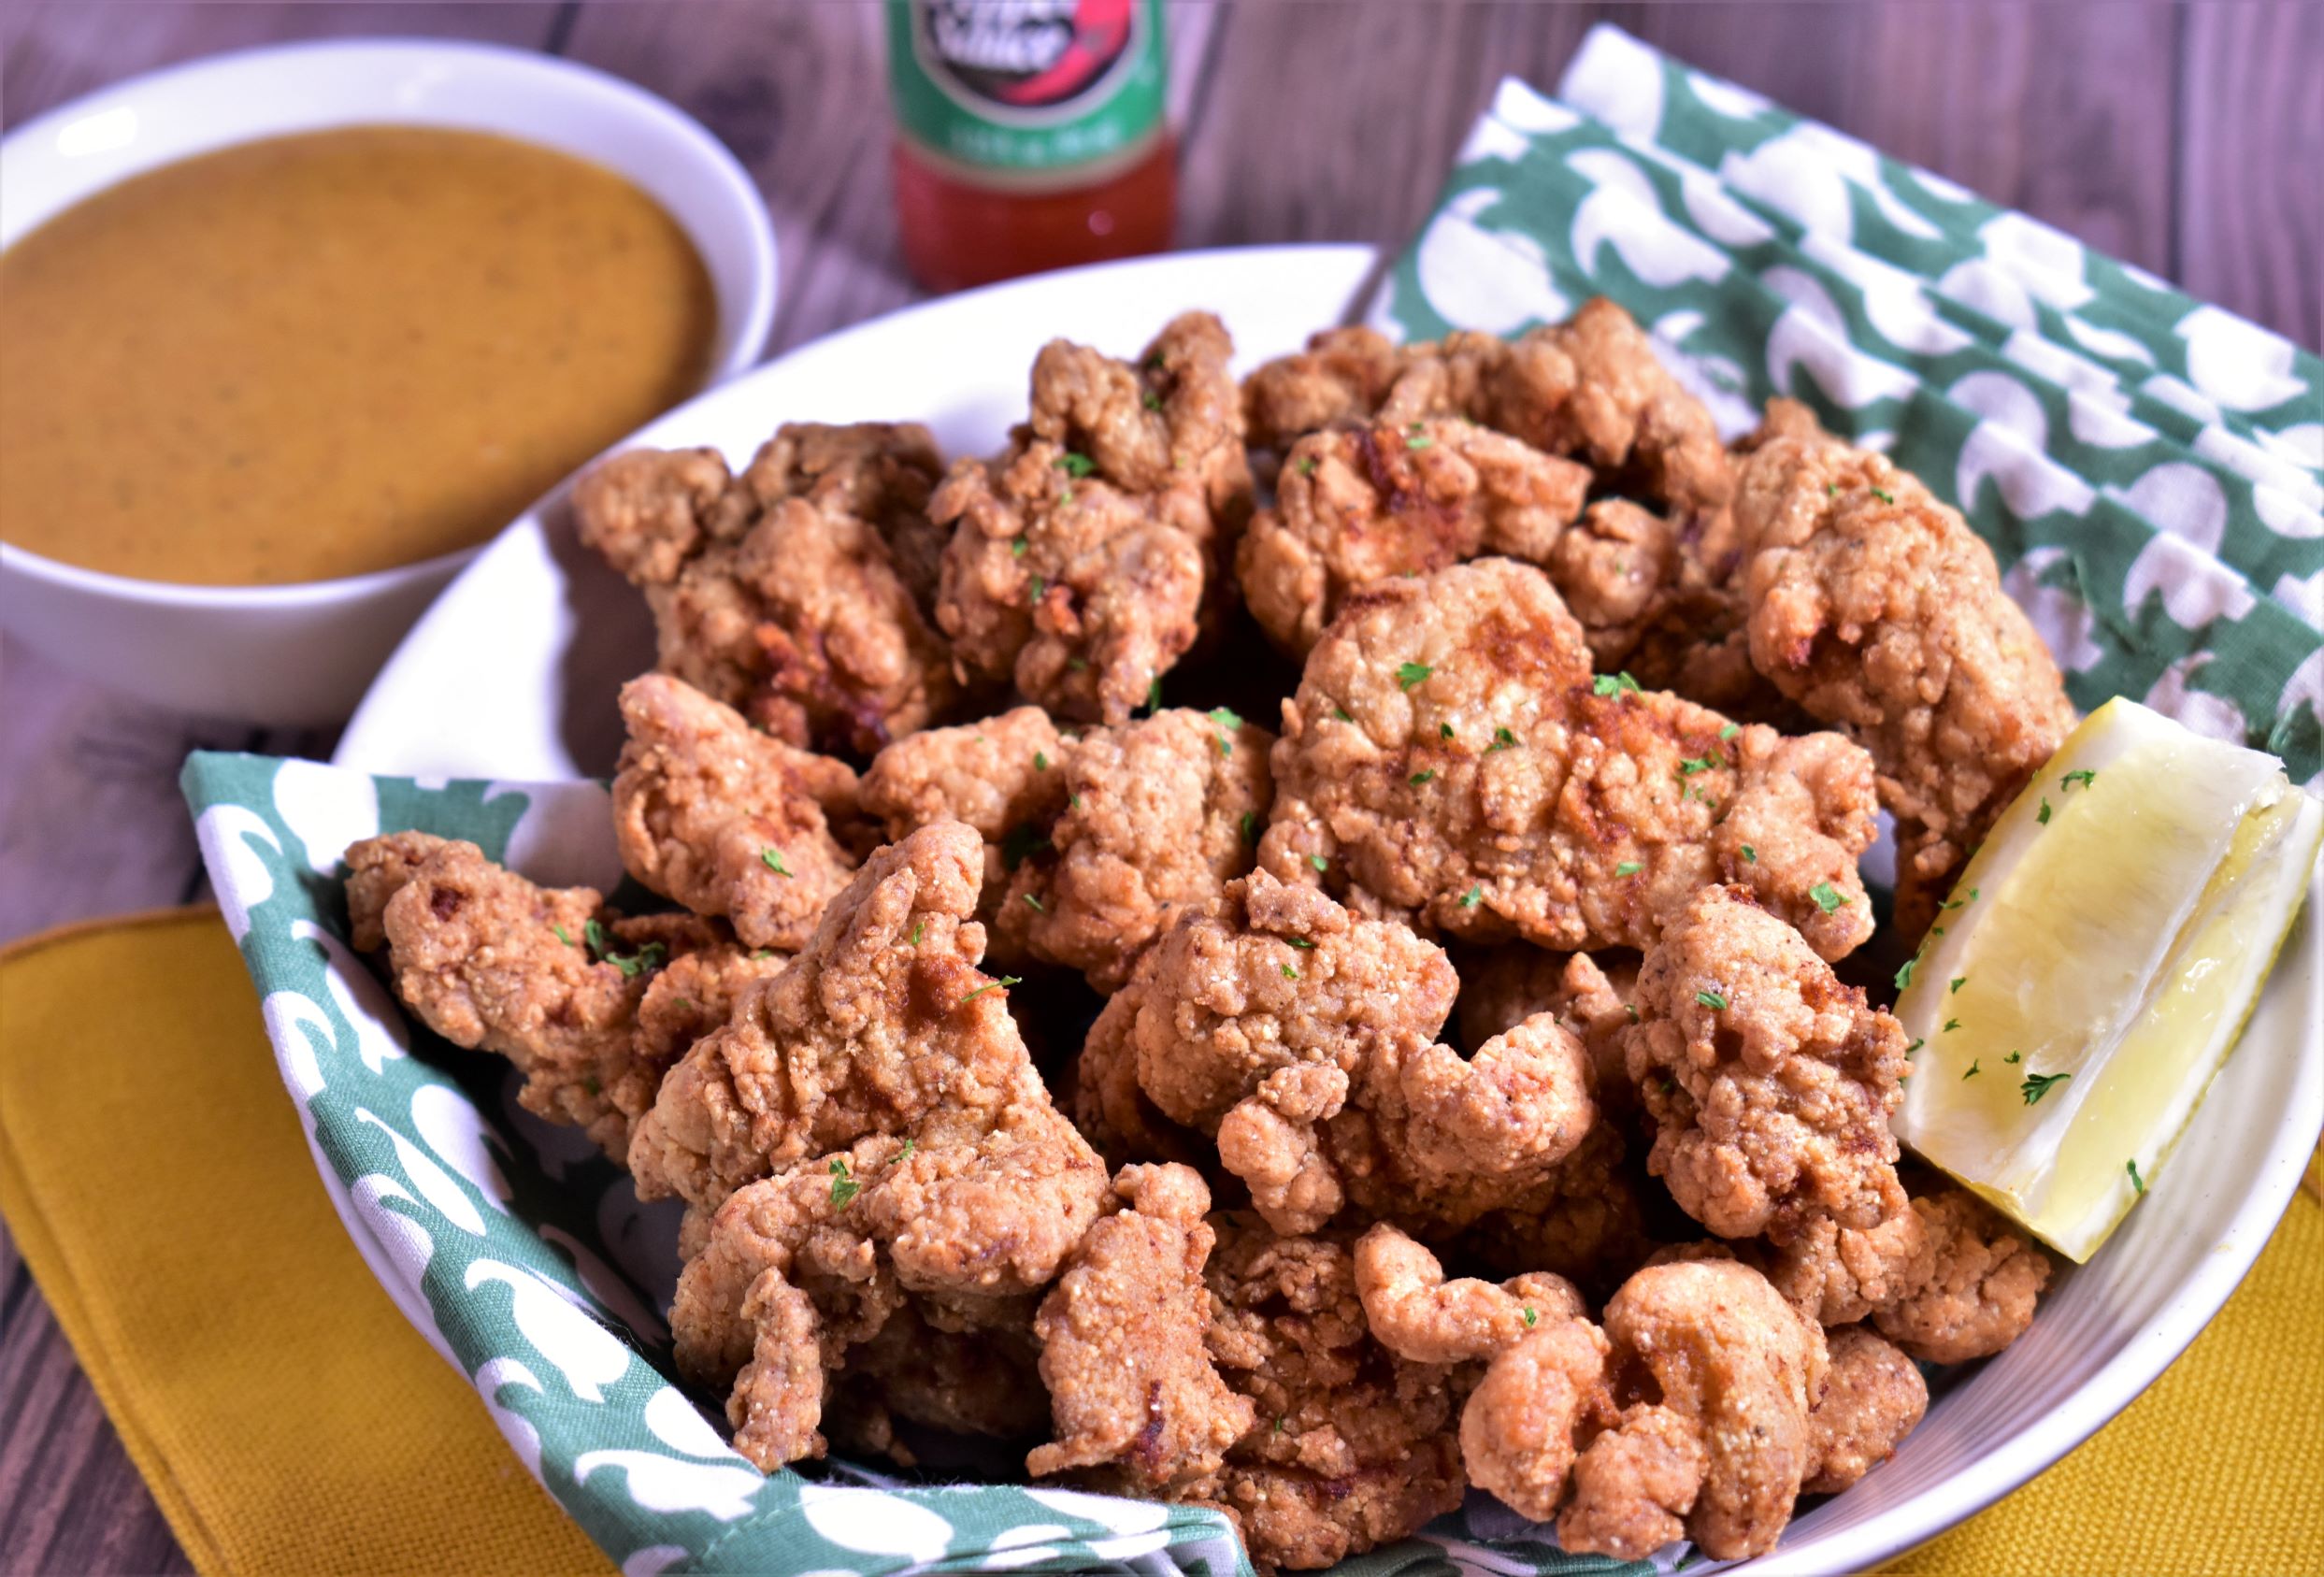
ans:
(1029, 134)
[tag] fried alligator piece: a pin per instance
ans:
(1302, 1036)
(1876, 608)
(1082, 574)
(1130, 1381)
(1156, 817)
(1706, 1349)
(1449, 762)
(1771, 1083)
(1350, 1447)
(725, 820)
(1362, 504)
(867, 1129)
(801, 592)
(1983, 1282)
(575, 996)
(1502, 986)
(1872, 1398)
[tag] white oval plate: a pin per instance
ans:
(512, 675)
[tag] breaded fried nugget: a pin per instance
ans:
(1983, 1282)
(1156, 818)
(868, 1128)
(1358, 504)
(488, 960)
(1350, 1447)
(1872, 1398)
(1084, 560)
(1303, 1037)
(1771, 1083)
(725, 820)
(801, 592)
(1706, 1348)
(1836, 1275)
(1502, 986)
(1130, 1380)
(1876, 608)
(1449, 762)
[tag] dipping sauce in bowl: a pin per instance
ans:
(328, 354)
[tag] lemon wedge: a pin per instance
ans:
(2093, 968)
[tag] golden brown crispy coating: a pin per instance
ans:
(1585, 1220)
(1341, 378)
(1079, 594)
(902, 1147)
(1872, 1398)
(1156, 817)
(725, 820)
(1876, 608)
(488, 960)
(1706, 1343)
(1449, 762)
(1003, 776)
(977, 1381)
(801, 592)
(1130, 1381)
(1502, 986)
(1173, 420)
(1982, 1287)
(1084, 560)
(1836, 1275)
(1770, 1081)
(1351, 1446)
(1362, 504)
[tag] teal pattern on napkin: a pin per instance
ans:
(2149, 470)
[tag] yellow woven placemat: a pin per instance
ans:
(288, 1420)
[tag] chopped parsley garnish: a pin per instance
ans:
(2042, 817)
(1950, 1026)
(1502, 740)
(903, 1155)
(2038, 1084)
(651, 956)
(1832, 490)
(843, 1187)
(1226, 718)
(1342, 714)
(764, 953)
(1972, 1067)
(1904, 976)
(1410, 674)
(1881, 497)
(771, 857)
(2085, 779)
(990, 985)
(2013, 1056)
(1474, 897)
(1530, 1319)
(1319, 862)
(919, 929)
(1290, 973)
(2138, 1184)
(1443, 730)
(1074, 800)
(1297, 941)
(1076, 665)
(1419, 778)
(1628, 868)
(1751, 855)
(1278, 1426)
(1305, 466)
(1694, 764)
(1250, 827)
(1017, 548)
(592, 1086)
(1074, 464)
(1613, 684)
(1715, 1001)
(1959, 980)
(561, 936)
(1730, 730)
(1021, 843)
(1416, 436)
(1040, 760)
(1034, 904)
(1040, 588)
(1915, 1046)
(1154, 694)
(1152, 400)
(1827, 897)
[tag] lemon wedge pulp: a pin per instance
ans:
(2093, 968)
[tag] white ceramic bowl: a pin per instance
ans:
(303, 654)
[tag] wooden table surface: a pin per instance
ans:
(2181, 139)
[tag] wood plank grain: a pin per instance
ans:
(2251, 206)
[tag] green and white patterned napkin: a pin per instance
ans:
(2148, 469)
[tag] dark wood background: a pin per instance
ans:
(2183, 138)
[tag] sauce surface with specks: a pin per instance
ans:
(331, 353)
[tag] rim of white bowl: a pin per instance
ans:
(754, 315)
